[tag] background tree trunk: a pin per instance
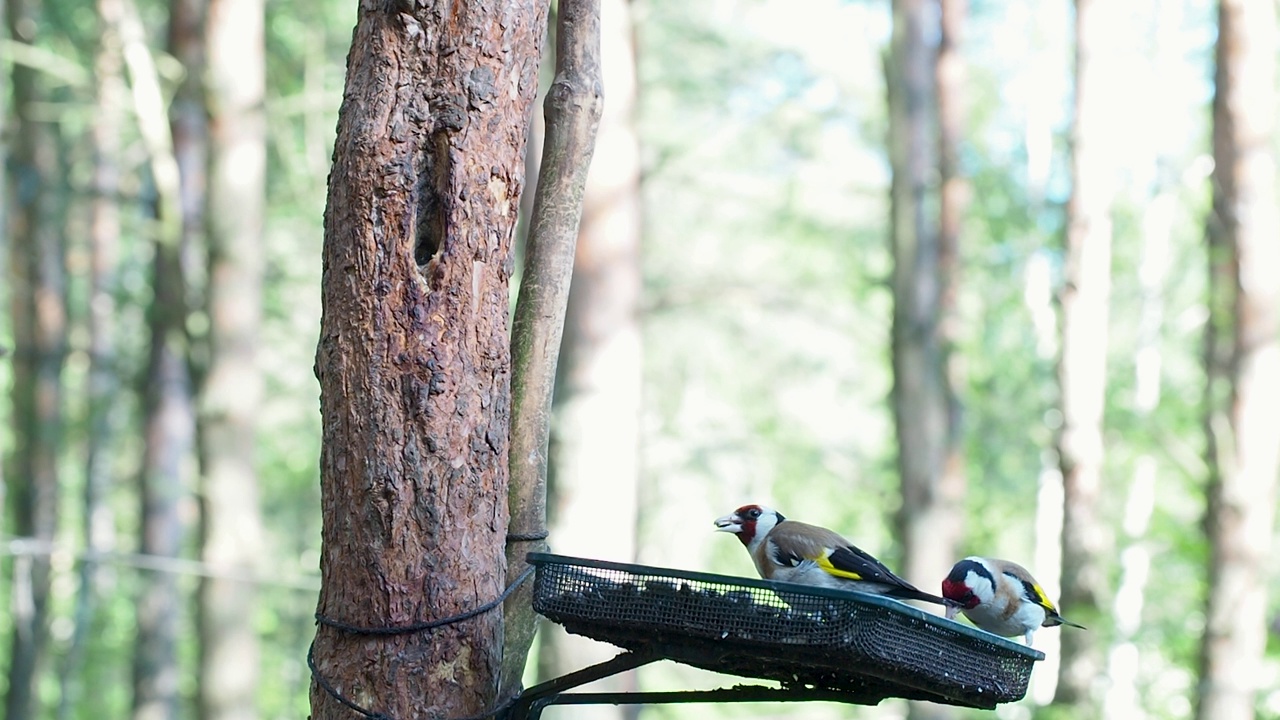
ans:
(413, 358)
(926, 411)
(1084, 298)
(230, 399)
(924, 257)
(98, 521)
(594, 456)
(953, 199)
(1242, 361)
(39, 331)
(169, 409)
(919, 417)
(166, 473)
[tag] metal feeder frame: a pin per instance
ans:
(819, 644)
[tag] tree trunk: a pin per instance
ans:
(1082, 368)
(39, 332)
(925, 409)
(920, 419)
(230, 398)
(953, 198)
(169, 410)
(98, 522)
(595, 463)
(189, 130)
(169, 439)
(1242, 361)
(926, 412)
(413, 358)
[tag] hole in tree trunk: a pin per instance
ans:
(433, 201)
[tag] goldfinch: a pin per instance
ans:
(796, 552)
(1000, 597)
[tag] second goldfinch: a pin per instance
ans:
(1000, 597)
(796, 552)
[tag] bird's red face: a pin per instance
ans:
(959, 593)
(742, 521)
(959, 587)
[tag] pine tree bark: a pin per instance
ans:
(231, 392)
(413, 358)
(1083, 300)
(1242, 361)
(39, 331)
(594, 456)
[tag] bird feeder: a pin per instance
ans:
(815, 643)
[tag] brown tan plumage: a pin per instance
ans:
(797, 552)
(1000, 597)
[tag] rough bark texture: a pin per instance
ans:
(169, 422)
(925, 412)
(1082, 378)
(1242, 361)
(594, 454)
(39, 331)
(231, 393)
(98, 521)
(413, 362)
(572, 108)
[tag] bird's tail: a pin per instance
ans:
(1056, 619)
(922, 596)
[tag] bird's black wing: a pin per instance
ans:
(854, 563)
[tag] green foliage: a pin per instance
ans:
(306, 47)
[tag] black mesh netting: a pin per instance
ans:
(868, 647)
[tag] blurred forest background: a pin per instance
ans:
(815, 233)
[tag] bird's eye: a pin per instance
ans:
(754, 513)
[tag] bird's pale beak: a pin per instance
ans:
(729, 523)
(952, 611)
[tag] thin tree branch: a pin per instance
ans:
(573, 107)
(153, 123)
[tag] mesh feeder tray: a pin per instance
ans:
(844, 646)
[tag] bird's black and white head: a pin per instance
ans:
(972, 582)
(751, 523)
